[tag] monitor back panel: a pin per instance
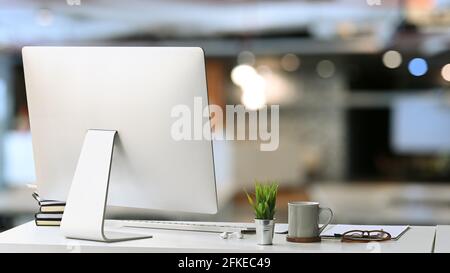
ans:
(131, 90)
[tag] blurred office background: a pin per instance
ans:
(363, 89)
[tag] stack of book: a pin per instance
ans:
(50, 211)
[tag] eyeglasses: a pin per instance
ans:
(364, 236)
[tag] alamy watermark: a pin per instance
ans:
(73, 2)
(239, 122)
(373, 2)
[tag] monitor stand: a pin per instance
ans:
(84, 214)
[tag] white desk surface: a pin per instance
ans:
(442, 240)
(30, 238)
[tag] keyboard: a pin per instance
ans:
(218, 227)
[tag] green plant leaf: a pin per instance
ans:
(249, 198)
(264, 203)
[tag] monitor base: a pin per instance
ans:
(84, 214)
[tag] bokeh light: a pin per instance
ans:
(246, 57)
(242, 73)
(325, 69)
(290, 62)
(392, 59)
(254, 95)
(253, 99)
(418, 67)
(253, 86)
(445, 72)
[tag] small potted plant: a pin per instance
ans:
(263, 203)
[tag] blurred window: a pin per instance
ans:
(421, 125)
(18, 158)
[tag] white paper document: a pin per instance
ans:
(337, 230)
(281, 228)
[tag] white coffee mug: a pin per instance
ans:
(303, 221)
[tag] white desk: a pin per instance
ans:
(442, 240)
(29, 238)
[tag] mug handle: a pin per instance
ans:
(329, 219)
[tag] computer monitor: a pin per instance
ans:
(101, 123)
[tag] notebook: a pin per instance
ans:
(337, 230)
